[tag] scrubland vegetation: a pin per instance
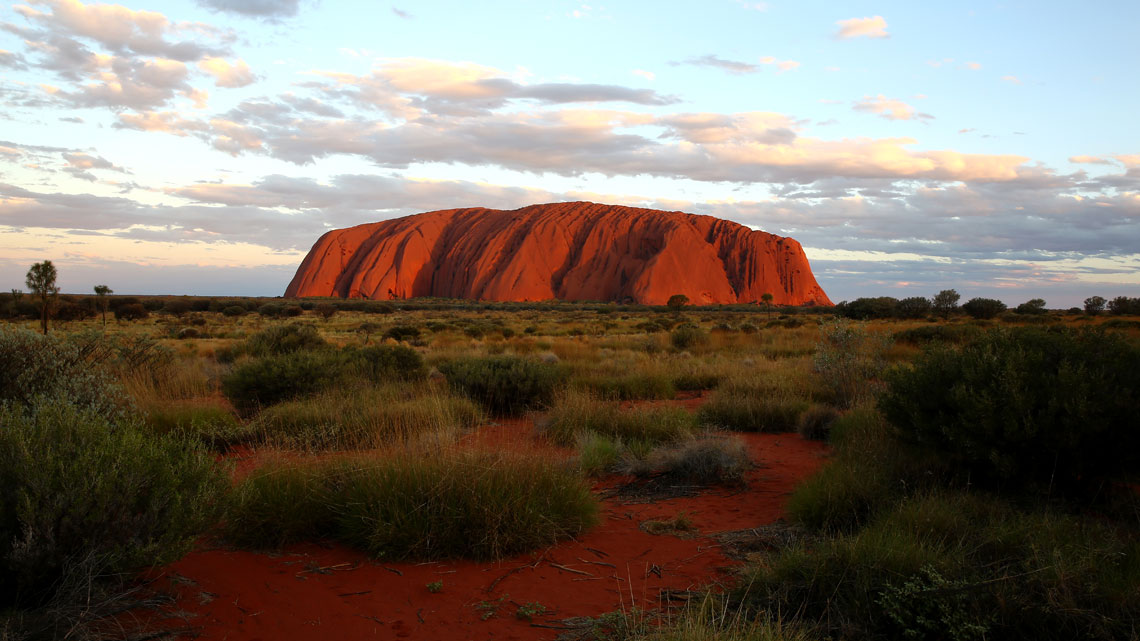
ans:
(982, 481)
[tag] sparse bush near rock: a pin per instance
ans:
(277, 378)
(688, 336)
(284, 339)
(379, 363)
(130, 312)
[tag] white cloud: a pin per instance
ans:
(1012, 79)
(889, 108)
(227, 74)
(648, 75)
(875, 27)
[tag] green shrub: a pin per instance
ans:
(687, 336)
(134, 311)
(457, 505)
(359, 419)
(815, 422)
(505, 384)
(702, 461)
(284, 339)
(272, 379)
(1025, 407)
(79, 493)
(576, 414)
(848, 359)
(402, 333)
(751, 413)
(597, 454)
(380, 363)
(693, 381)
(627, 387)
(213, 426)
(937, 333)
(34, 365)
(983, 308)
(233, 310)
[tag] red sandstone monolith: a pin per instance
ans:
(566, 251)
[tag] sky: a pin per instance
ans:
(202, 147)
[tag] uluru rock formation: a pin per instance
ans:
(565, 251)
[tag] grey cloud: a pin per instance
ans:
(401, 13)
(564, 93)
(269, 9)
(731, 66)
(13, 61)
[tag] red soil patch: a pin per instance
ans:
(333, 592)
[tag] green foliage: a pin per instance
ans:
(1026, 407)
(576, 414)
(272, 379)
(381, 363)
(213, 426)
(868, 308)
(505, 385)
(928, 606)
(688, 336)
(402, 333)
(1122, 305)
(41, 283)
(677, 301)
(734, 410)
(711, 460)
(457, 505)
(914, 307)
(130, 312)
(983, 308)
(847, 360)
(80, 493)
(937, 333)
(945, 302)
(815, 422)
(35, 365)
(627, 387)
(233, 311)
(1094, 305)
(1034, 306)
(284, 339)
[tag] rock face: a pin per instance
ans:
(564, 251)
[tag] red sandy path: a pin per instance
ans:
(242, 595)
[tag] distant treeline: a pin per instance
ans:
(918, 307)
(14, 305)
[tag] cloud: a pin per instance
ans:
(402, 14)
(782, 65)
(227, 74)
(731, 66)
(1093, 160)
(266, 9)
(973, 66)
(875, 27)
(648, 75)
(889, 108)
(12, 60)
(80, 163)
(1012, 79)
(121, 29)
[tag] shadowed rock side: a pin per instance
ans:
(564, 251)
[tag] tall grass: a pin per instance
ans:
(576, 413)
(365, 418)
(466, 504)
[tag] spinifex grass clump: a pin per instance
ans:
(1052, 410)
(505, 385)
(754, 405)
(83, 498)
(363, 418)
(576, 413)
(212, 425)
(848, 360)
(456, 505)
(711, 460)
(272, 379)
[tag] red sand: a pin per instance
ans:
(563, 251)
(332, 592)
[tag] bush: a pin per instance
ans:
(732, 410)
(233, 311)
(983, 308)
(505, 384)
(402, 333)
(34, 365)
(847, 359)
(284, 339)
(704, 461)
(937, 333)
(687, 336)
(130, 312)
(575, 414)
(380, 363)
(815, 422)
(627, 387)
(463, 504)
(1053, 409)
(213, 426)
(79, 493)
(273, 379)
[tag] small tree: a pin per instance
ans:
(102, 291)
(945, 302)
(326, 310)
(1033, 306)
(983, 308)
(677, 301)
(1094, 305)
(41, 281)
(767, 298)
